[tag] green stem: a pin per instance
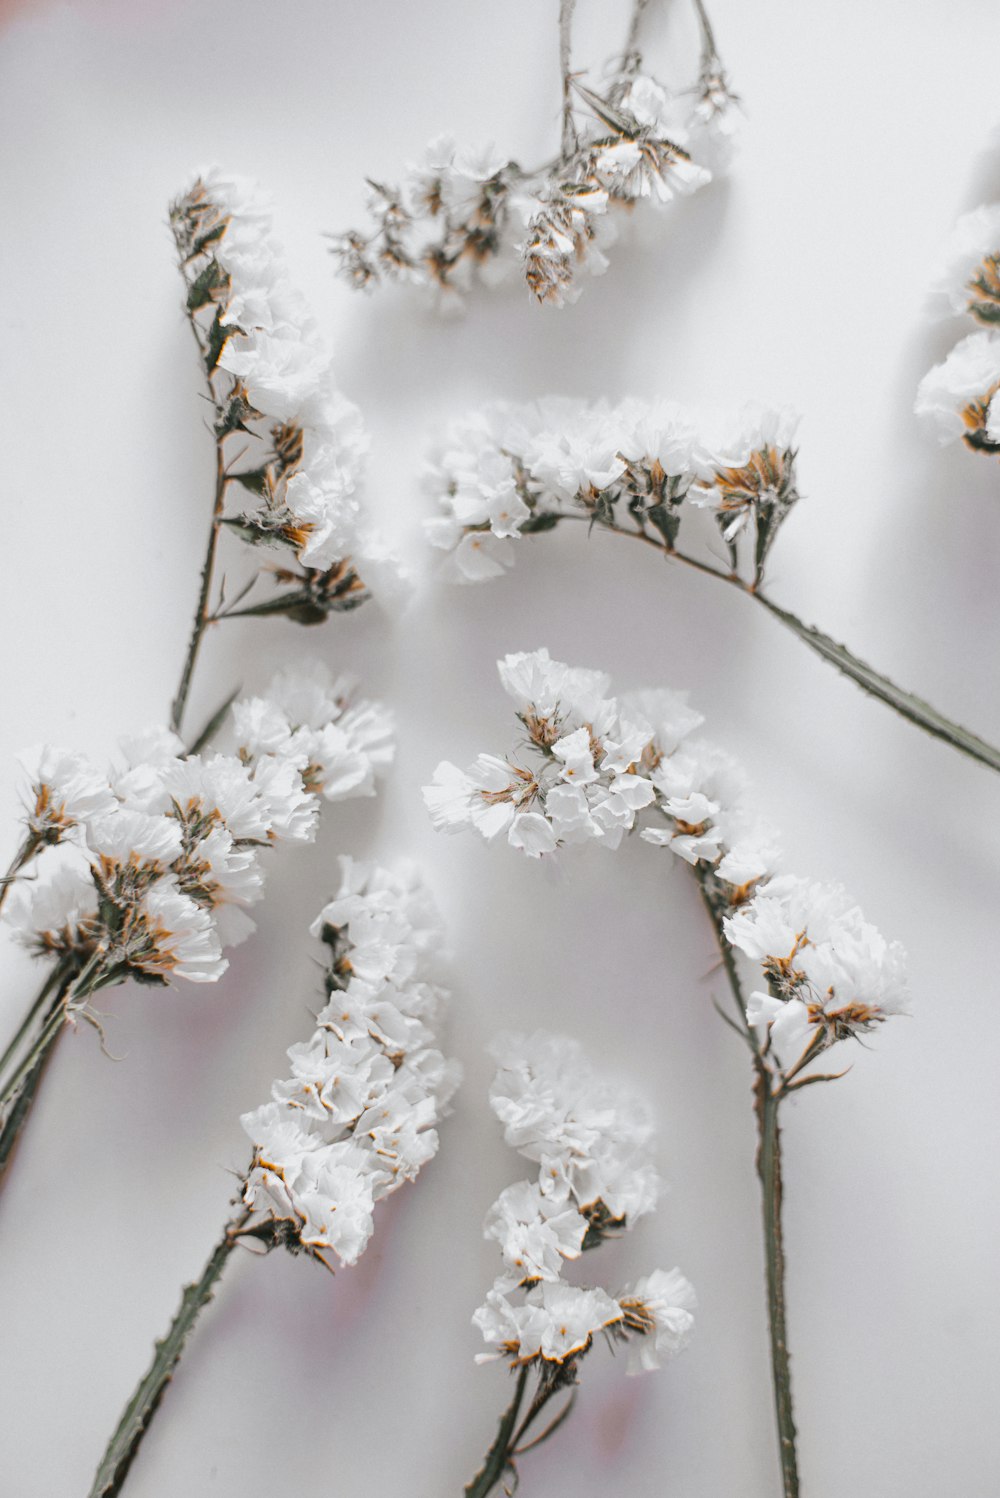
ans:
(709, 51)
(56, 976)
(769, 1171)
(566, 8)
(202, 617)
(498, 1458)
(142, 1406)
(914, 709)
(17, 1114)
(909, 706)
(766, 1104)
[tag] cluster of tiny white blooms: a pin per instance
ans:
(510, 470)
(830, 974)
(358, 1116)
(463, 214)
(956, 395)
(273, 385)
(970, 278)
(597, 761)
(160, 858)
(591, 1141)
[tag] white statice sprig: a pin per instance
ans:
(635, 467)
(161, 857)
(592, 1143)
(289, 442)
(829, 974)
(592, 764)
(358, 1115)
(461, 215)
(356, 1118)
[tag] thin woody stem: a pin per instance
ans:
(909, 706)
(766, 1104)
(498, 1458)
(631, 56)
(709, 51)
(142, 1406)
(21, 859)
(769, 1171)
(203, 612)
(566, 8)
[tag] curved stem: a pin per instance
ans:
(142, 1406)
(709, 51)
(631, 57)
(498, 1458)
(769, 1171)
(909, 706)
(202, 617)
(56, 975)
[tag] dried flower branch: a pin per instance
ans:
(638, 469)
(153, 865)
(591, 1141)
(591, 766)
(285, 439)
(357, 1119)
(462, 214)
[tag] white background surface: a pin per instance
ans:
(801, 279)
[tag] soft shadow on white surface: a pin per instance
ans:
(801, 280)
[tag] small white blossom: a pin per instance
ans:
(970, 277)
(955, 395)
(831, 973)
(660, 1307)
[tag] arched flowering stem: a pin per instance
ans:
(636, 470)
(501, 1459)
(907, 704)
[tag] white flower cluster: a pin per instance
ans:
(512, 470)
(960, 397)
(357, 1117)
(258, 332)
(598, 761)
(461, 213)
(830, 973)
(591, 1142)
(160, 858)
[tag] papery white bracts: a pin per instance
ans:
(591, 1141)
(358, 1116)
(509, 470)
(158, 860)
(597, 762)
(308, 443)
(461, 215)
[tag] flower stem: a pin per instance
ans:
(21, 858)
(142, 1406)
(766, 1104)
(631, 57)
(566, 8)
(914, 709)
(203, 610)
(15, 1113)
(769, 1171)
(498, 1458)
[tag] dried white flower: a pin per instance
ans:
(970, 278)
(358, 1116)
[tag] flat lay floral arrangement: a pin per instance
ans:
(151, 868)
